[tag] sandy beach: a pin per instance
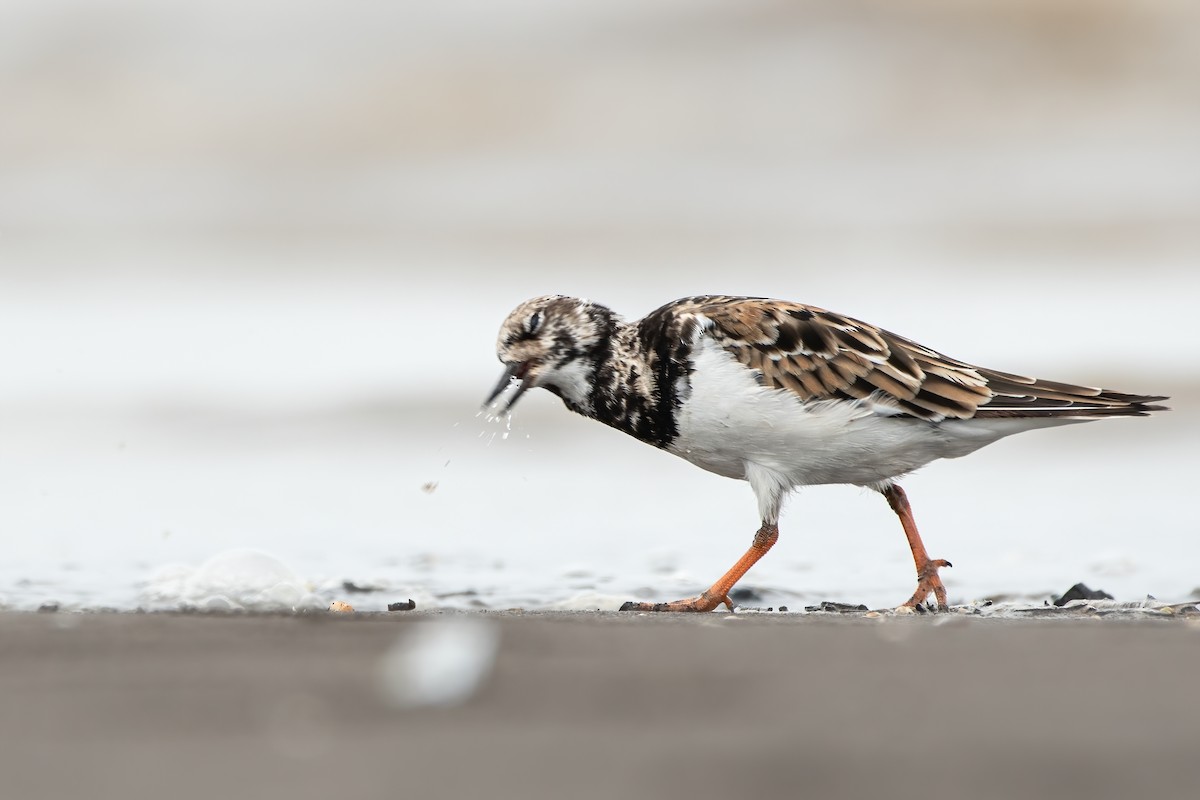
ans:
(602, 705)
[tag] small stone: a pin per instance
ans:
(1080, 591)
(403, 606)
(338, 607)
(836, 608)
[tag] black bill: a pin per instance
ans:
(511, 372)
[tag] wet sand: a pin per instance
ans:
(603, 705)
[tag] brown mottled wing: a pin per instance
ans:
(821, 355)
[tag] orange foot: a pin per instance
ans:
(718, 593)
(928, 583)
(705, 602)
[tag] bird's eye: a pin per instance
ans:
(535, 322)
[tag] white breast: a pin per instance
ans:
(729, 421)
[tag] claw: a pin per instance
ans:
(705, 602)
(928, 582)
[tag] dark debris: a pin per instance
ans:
(1080, 591)
(837, 608)
(357, 588)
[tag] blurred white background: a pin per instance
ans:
(253, 256)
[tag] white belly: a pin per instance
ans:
(729, 421)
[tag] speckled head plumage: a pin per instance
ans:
(553, 341)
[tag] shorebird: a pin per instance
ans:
(781, 395)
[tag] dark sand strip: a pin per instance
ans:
(603, 706)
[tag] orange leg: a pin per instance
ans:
(718, 593)
(927, 568)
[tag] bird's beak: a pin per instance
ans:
(512, 373)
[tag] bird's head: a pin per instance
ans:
(551, 341)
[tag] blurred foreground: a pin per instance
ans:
(587, 706)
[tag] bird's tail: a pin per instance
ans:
(1018, 396)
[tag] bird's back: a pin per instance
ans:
(818, 355)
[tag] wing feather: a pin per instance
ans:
(819, 355)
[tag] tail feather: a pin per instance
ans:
(1018, 396)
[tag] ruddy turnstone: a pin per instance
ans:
(781, 395)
